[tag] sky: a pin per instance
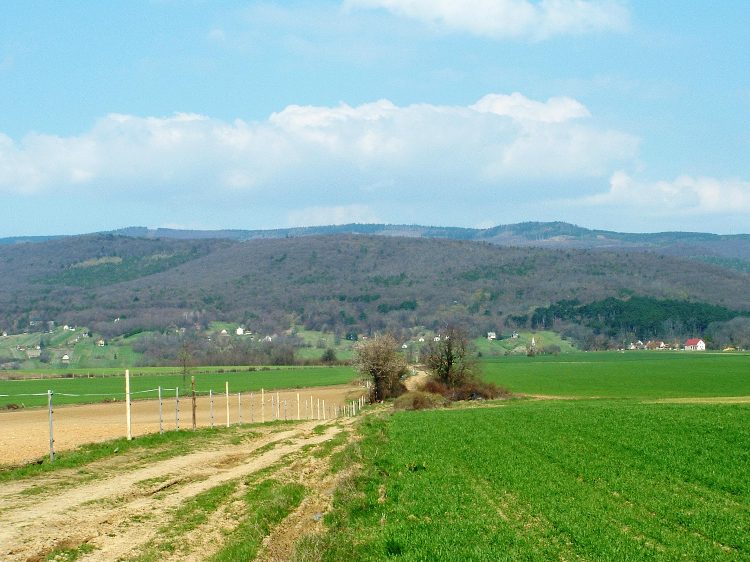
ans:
(628, 115)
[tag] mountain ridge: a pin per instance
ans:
(533, 233)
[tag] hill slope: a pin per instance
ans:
(338, 282)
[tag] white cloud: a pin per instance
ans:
(510, 18)
(517, 106)
(312, 156)
(684, 195)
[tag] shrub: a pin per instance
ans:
(470, 389)
(418, 400)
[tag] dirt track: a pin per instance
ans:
(116, 506)
(24, 434)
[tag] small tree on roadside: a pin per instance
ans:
(185, 357)
(450, 360)
(379, 360)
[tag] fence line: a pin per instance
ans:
(347, 409)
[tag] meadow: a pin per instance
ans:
(609, 473)
(645, 375)
(620, 477)
(113, 387)
(543, 480)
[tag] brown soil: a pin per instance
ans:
(416, 381)
(117, 505)
(24, 434)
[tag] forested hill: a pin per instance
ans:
(337, 282)
(726, 250)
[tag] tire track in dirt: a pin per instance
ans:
(117, 516)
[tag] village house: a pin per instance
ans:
(695, 344)
(100, 343)
(240, 331)
(66, 358)
(491, 336)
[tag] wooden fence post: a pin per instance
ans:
(51, 434)
(192, 386)
(177, 407)
(127, 404)
(226, 390)
(211, 404)
(161, 412)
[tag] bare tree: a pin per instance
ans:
(450, 360)
(185, 357)
(379, 359)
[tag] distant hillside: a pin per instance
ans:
(543, 234)
(730, 251)
(334, 283)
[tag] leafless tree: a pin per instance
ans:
(450, 360)
(379, 359)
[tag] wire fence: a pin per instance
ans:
(163, 408)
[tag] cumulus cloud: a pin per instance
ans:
(316, 156)
(510, 18)
(684, 195)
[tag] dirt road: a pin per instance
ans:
(115, 507)
(24, 434)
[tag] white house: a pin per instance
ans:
(421, 340)
(240, 331)
(695, 344)
(436, 338)
(66, 358)
(491, 336)
(404, 346)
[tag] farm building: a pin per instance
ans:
(240, 331)
(695, 344)
(491, 336)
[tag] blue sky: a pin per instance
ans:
(625, 115)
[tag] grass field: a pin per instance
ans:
(620, 477)
(624, 375)
(593, 480)
(205, 380)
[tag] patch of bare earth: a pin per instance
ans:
(121, 510)
(307, 519)
(417, 380)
